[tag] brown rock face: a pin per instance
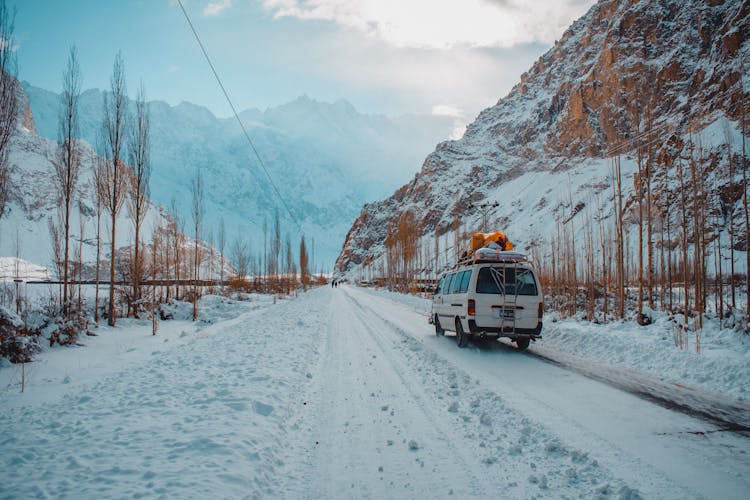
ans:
(28, 120)
(626, 63)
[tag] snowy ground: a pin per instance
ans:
(340, 393)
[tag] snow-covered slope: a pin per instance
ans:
(668, 66)
(24, 229)
(326, 159)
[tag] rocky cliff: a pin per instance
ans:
(629, 74)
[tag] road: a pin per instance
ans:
(488, 422)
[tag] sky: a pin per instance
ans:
(453, 57)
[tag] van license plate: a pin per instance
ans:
(506, 313)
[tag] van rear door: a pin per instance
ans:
(498, 284)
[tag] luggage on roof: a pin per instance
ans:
(481, 240)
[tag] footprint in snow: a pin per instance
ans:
(262, 408)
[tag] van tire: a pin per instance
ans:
(522, 343)
(438, 329)
(462, 340)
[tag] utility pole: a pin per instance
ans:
(485, 208)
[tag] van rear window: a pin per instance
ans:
(511, 281)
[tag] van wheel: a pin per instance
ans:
(438, 329)
(522, 343)
(461, 338)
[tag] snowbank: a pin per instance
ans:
(722, 366)
(197, 411)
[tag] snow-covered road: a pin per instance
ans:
(345, 394)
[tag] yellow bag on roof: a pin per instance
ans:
(480, 240)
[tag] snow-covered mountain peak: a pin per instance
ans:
(326, 159)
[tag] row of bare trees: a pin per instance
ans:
(663, 247)
(403, 252)
(116, 177)
(8, 100)
(115, 183)
(273, 267)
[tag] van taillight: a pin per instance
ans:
(540, 312)
(472, 307)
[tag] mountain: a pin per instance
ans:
(665, 75)
(325, 158)
(24, 228)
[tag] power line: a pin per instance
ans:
(237, 116)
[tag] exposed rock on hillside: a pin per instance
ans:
(661, 70)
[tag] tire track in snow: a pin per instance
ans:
(372, 439)
(326, 425)
(390, 351)
(644, 444)
(519, 456)
(731, 415)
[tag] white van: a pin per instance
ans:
(495, 294)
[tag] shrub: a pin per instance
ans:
(17, 343)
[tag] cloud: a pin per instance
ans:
(441, 24)
(459, 118)
(447, 110)
(457, 83)
(216, 7)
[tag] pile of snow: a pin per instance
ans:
(214, 308)
(722, 365)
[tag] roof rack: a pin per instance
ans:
(491, 255)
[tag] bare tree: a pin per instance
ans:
(684, 239)
(731, 201)
(79, 259)
(747, 223)
(222, 238)
(8, 101)
(139, 155)
(68, 161)
(197, 191)
(98, 164)
(178, 243)
(289, 272)
(276, 251)
(303, 264)
(156, 240)
(113, 176)
(57, 246)
(265, 265)
(241, 258)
